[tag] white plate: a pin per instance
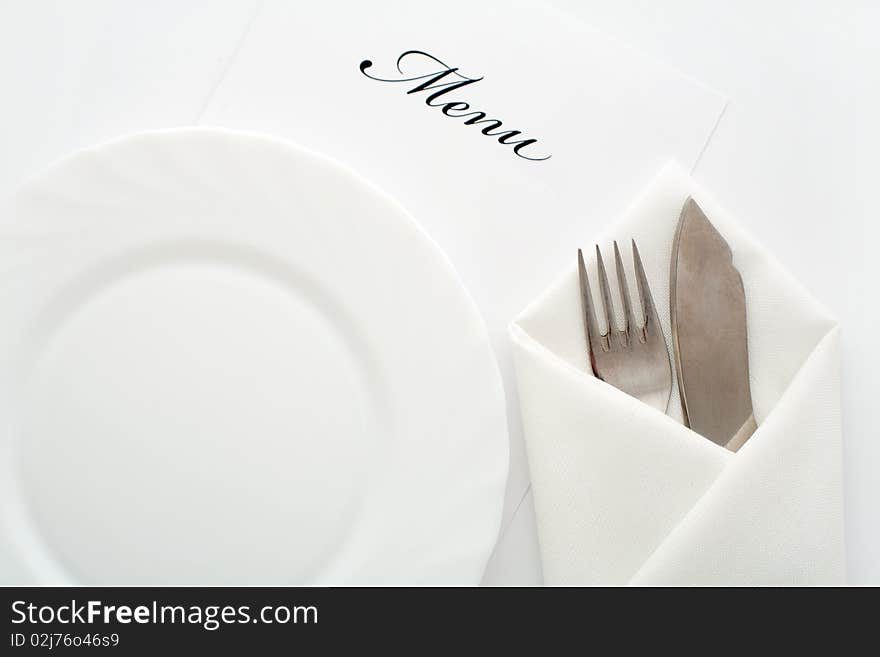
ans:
(227, 360)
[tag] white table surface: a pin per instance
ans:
(792, 156)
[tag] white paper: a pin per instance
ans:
(606, 115)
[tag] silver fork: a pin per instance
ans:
(636, 359)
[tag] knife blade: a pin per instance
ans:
(708, 313)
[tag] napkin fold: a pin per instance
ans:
(626, 494)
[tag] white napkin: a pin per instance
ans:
(625, 494)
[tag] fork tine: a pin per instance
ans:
(652, 322)
(629, 320)
(591, 327)
(610, 321)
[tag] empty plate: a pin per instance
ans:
(227, 360)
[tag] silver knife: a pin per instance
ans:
(708, 313)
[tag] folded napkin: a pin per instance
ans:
(626, 494)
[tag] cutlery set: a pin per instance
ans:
(709, 339)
